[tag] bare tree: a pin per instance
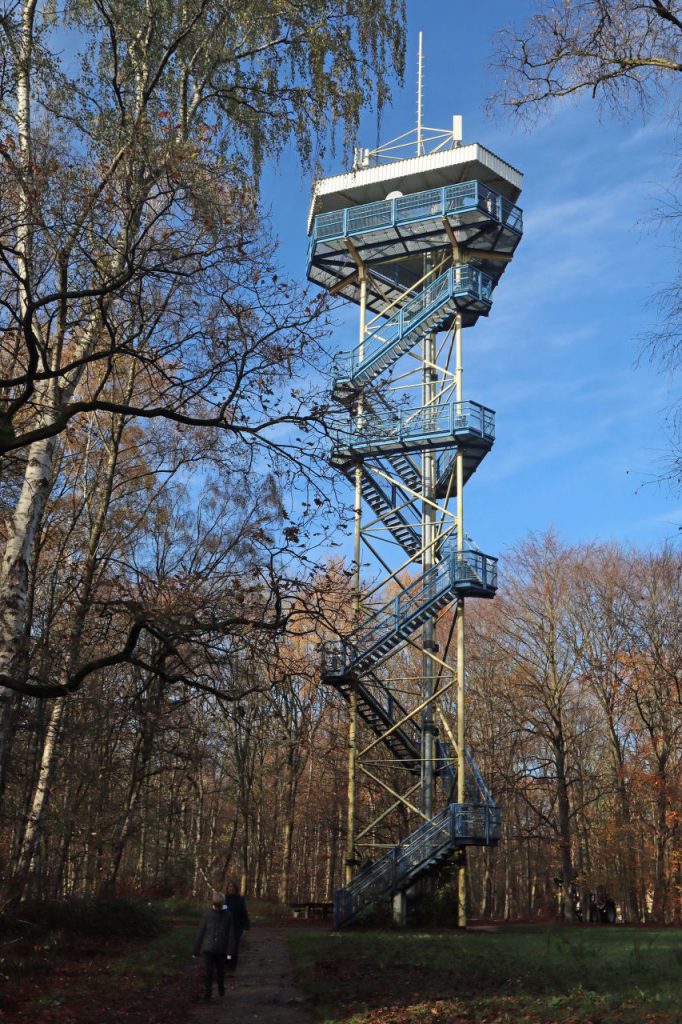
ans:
(653, 668)
(533, 621)
(625, 54)
(600, 629)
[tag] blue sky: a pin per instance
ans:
(579, 424)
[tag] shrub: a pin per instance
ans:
(126, 918)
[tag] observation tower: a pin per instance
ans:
(417, 235)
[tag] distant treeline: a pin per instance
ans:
(574, 714)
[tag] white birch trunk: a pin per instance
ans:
(34, 823)
(32, 830)
(14, 570)
(14, 575)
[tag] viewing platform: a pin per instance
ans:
(430, 427)
(480, 220)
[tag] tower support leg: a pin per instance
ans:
(351, 861)
(352, 756)
(399, 908)
(461, 757)
(461, 888)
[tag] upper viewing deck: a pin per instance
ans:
(479, 218)
(472, 162)
(392, 233)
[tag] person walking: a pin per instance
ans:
(215, 942)
(236, 905)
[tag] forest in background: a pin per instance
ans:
(574, 716)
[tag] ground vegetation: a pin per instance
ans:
(534, 975)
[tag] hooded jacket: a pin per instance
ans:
(216, 933)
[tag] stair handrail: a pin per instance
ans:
(431, 272)
(399, 867)
(406, 423)
(393, 618)
(390, 706)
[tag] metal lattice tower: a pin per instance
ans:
(419, 244)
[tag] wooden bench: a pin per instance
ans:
(312, 908)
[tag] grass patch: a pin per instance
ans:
(268, 913)
(618, 975)
(165, 955)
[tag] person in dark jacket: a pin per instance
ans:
(215, 942)
(240, 920)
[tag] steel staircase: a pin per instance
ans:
(380, 710)
(474, 823)
(470, 573)
(462, 286)
(393, 436)
(419, 854)
(405, 469)
(393, 506)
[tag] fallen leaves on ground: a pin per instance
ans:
(81, 982)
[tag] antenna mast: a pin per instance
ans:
(420, 69)
(428, 140)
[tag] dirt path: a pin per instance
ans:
(262, 991)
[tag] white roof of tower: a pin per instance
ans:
(416, 174)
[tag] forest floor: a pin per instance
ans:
(68, 975)
(535, 975)
(302, 972)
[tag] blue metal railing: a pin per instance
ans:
(397, 619)
(475, 789)
(431, 422)
(437, 202)
(460, 280)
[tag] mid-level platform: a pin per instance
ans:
(431, 427)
